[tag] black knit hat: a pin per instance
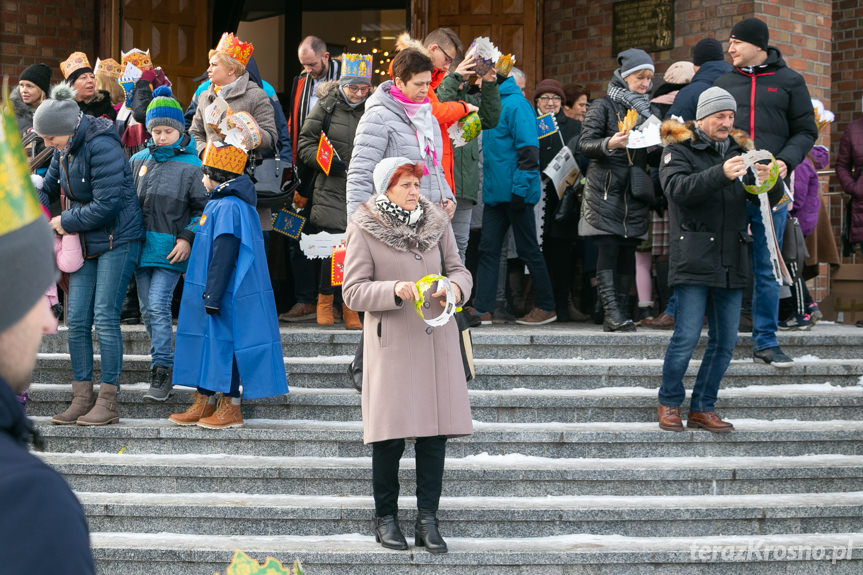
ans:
(75, 74)
(707, 50)
(753, 31)
(39, 74)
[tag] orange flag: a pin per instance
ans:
(325, 154)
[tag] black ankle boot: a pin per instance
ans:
(426, 532)
(388, 534)
(614, 319)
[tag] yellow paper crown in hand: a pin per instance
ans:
(628, 121)
(242, 564)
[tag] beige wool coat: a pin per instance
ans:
(413, 378)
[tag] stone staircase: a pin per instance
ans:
(567, 471)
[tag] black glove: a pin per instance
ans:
(338, 168)
(517, 203)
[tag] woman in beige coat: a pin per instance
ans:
(413, 382)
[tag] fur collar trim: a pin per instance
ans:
(22, 110)
(398, 236)
(673, 132)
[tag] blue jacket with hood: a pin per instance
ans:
(511, 151)
(102, 206)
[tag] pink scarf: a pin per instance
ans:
(420, 116)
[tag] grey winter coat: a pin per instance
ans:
(243, 96)
(413, 379)
(328, 198)
(384, 131)
(24, 117)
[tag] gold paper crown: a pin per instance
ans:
(239, 51)
(108, 67)
(75, 61)
(19, 205)
(221, 156)
(137, 58)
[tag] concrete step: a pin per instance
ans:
(587, 341)
(808, 402)
(330, 372)
(304, 438)
(790, 554)
(474, 476)
(293, 515)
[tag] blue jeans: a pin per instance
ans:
(155, 292)
(96, 293)
(672, 304)
(765, 290)
(495, 221)
(722, 307)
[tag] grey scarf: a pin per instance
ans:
(620, 93)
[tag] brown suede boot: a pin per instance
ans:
(352, 318)
(82, 402)
(228, 414)
(201, 407)
(105, 410)
(325, 309)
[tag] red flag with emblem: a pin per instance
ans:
(325, 154)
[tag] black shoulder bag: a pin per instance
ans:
(465, 340)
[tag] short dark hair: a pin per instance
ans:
(573, 93)
(217, 175)
(409, 62)
(445, 37)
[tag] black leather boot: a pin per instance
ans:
(388, 534)
(614, 319)
(426, 532)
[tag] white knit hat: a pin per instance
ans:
(385, 169)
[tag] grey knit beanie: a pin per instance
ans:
(384, 172)
(713, 100)
(58, 115)
(633, 60)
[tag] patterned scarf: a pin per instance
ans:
(309, 86)
(620, 93)
(397, 214)
(422, 120)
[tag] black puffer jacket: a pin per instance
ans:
(99, 106)
(783, 121)
(707, 211)
(608, 208)
(548, 148)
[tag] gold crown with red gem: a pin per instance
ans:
(231, 46)
(222, 156)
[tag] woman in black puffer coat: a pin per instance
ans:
(616, 221)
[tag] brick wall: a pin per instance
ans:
(33, 31)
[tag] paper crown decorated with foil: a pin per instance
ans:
(465, 130)
(20, 205)
(504, 64)
(242, 564)
(108, 67)
(226, 157)
(357, 66)
(137, 58)
(486, 55)
(241, 130)
(75, 61)
(823, 116)
(239, 51)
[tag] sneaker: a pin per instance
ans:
(814, 312)
(797, 322)
(772, 356)
(161, 387)
(300, 312)
(537, 317)
(484, 318)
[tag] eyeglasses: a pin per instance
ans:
(449, 58)
(358, 89)
(550, 98)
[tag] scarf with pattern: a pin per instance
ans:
(395, 213)
(420, 116)
(620, 93)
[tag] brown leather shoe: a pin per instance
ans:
(227, 415)
(200, 408)
(82, 403)
(708, 420)
(537, 317)
(352, 318)
(324, 311)
(300, 312)
(662, 321)
(669, 418)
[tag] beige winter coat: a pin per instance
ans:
(413, 379)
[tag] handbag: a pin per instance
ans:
(641, 186)
(275, 182)
(794, 245)
(465, 340)
(569, 207)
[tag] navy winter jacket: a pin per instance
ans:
(43, 528)
(102, 206)
(686, 101)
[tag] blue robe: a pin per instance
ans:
(247, 326)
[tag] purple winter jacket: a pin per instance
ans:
(806, 199)
(848, 168)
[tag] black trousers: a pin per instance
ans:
(430, 454)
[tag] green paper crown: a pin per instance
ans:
(242, 564)
(19, 203)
